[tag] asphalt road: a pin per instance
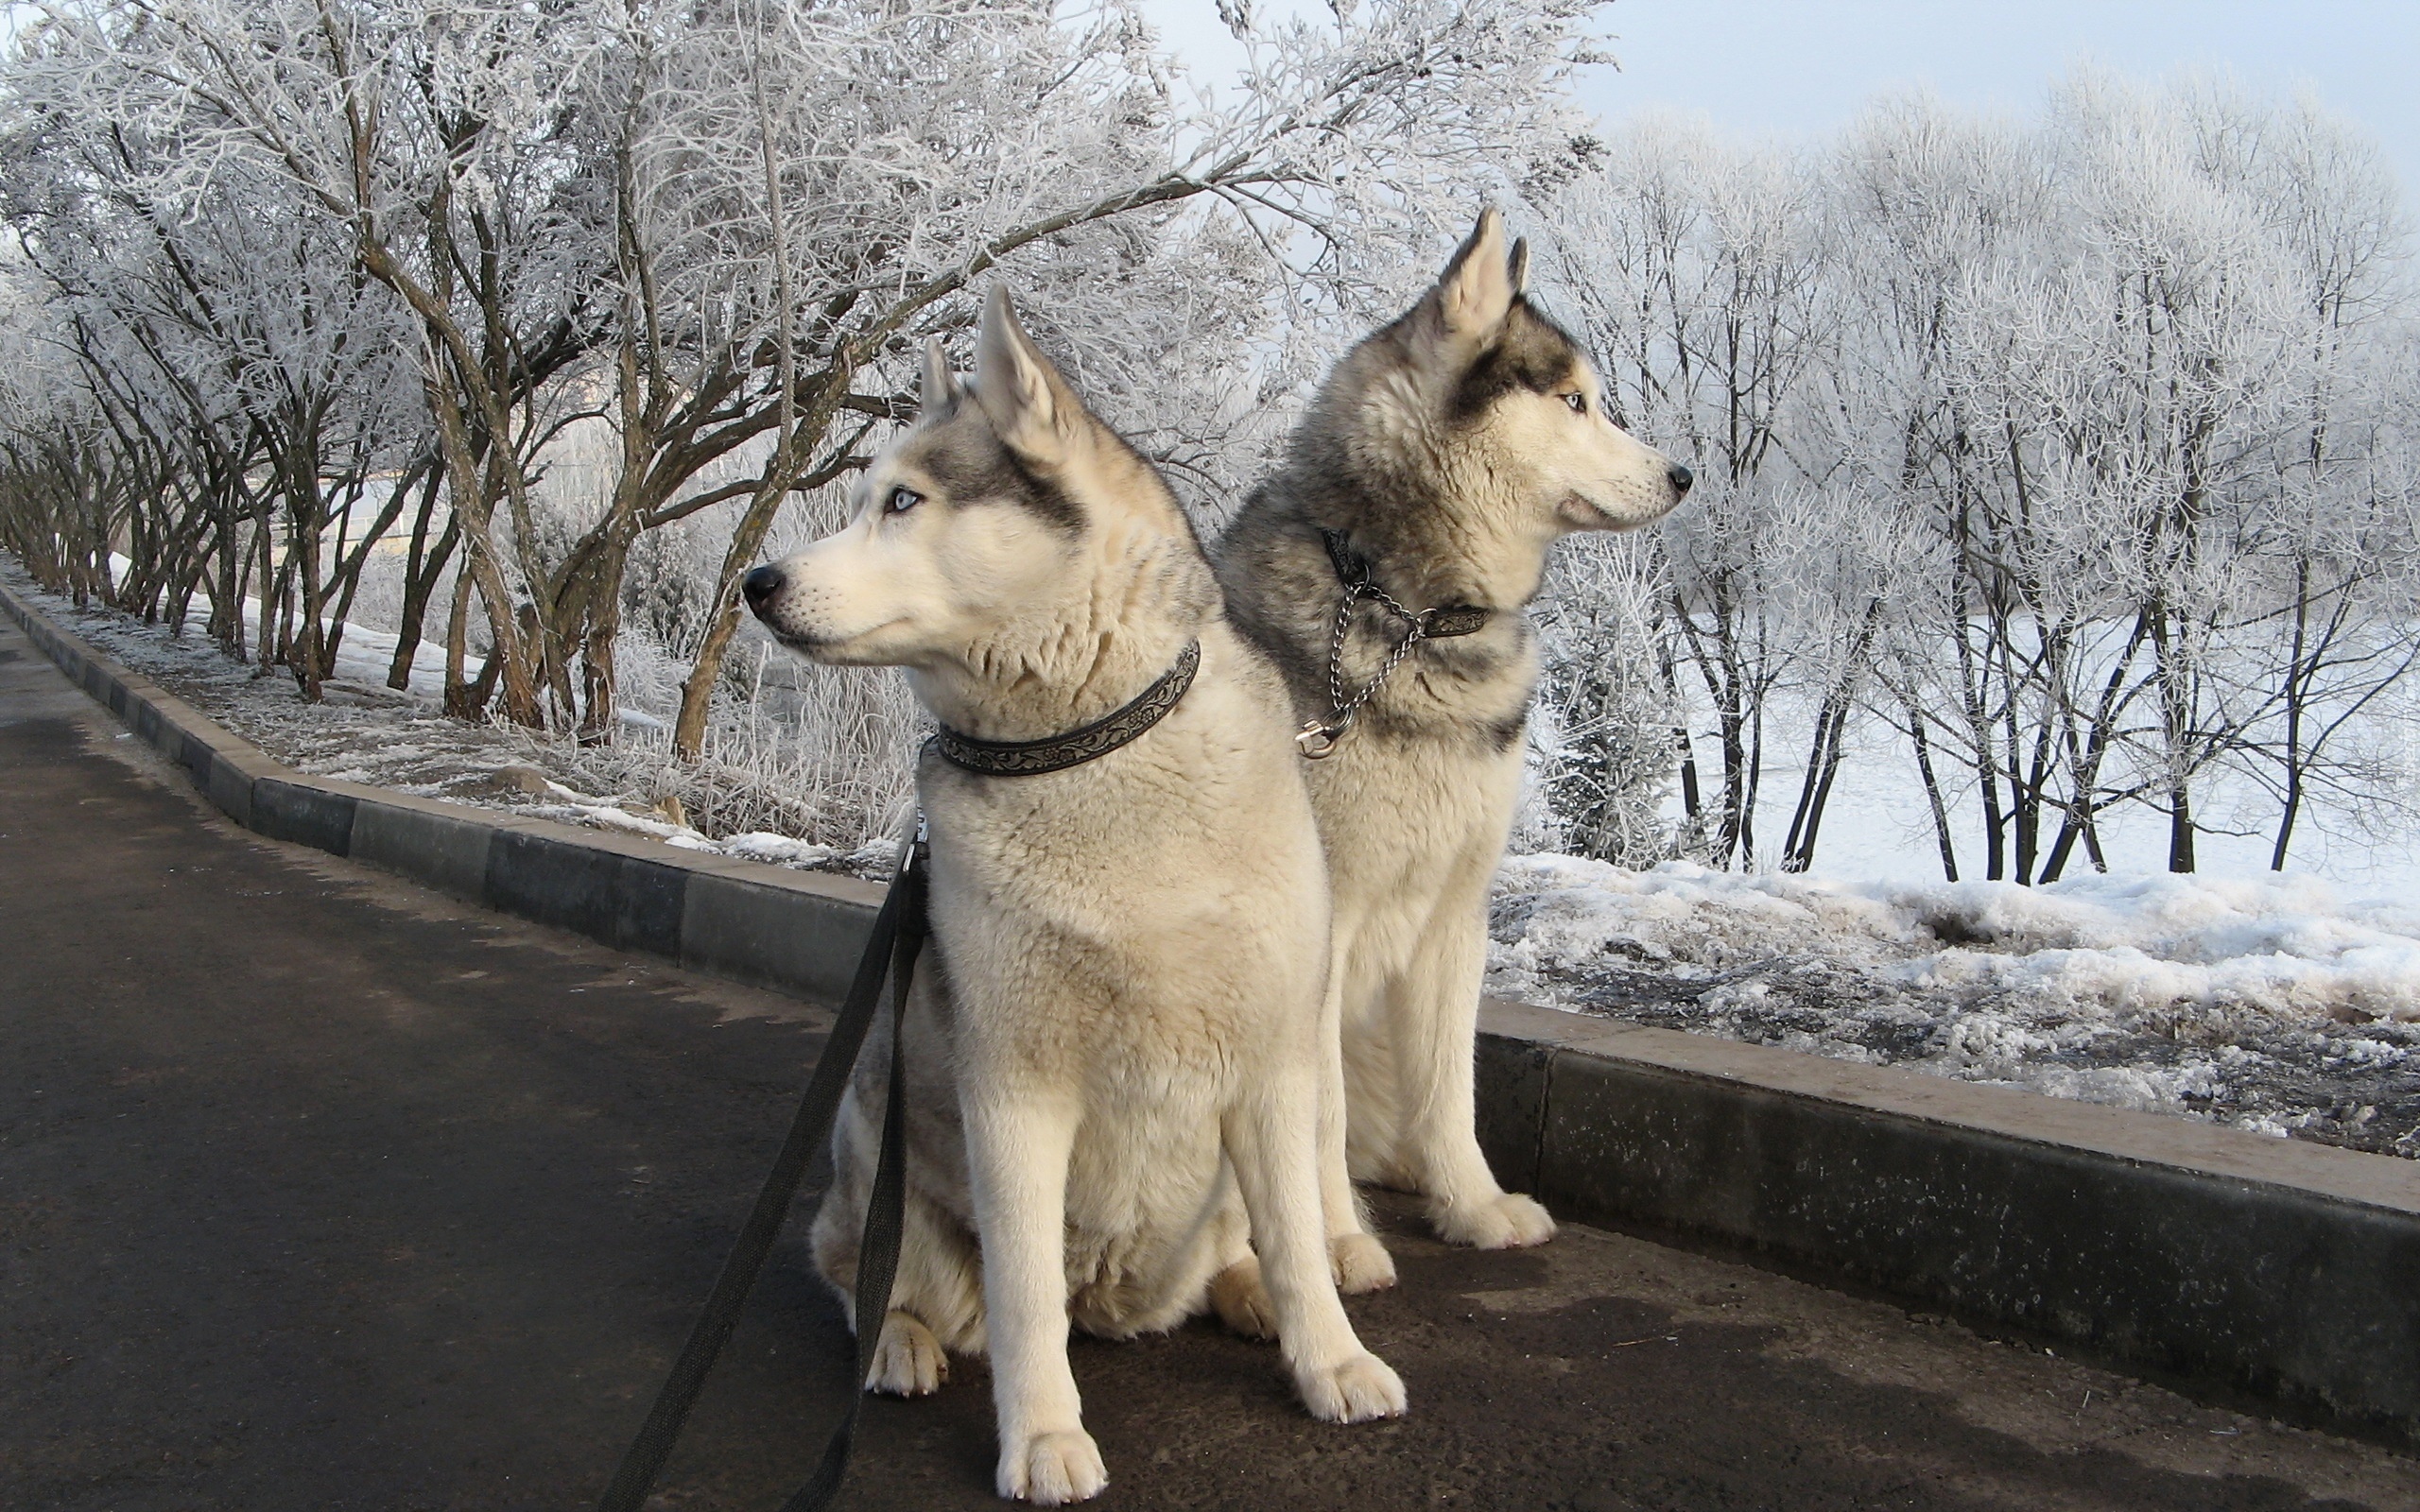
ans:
(319, 1192)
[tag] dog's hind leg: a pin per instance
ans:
(1240, 1298)
(1273, 1149)
(908, 1360)
(936, 1304)
(1237, 1293)
(1433, 1018)
(935, 1296)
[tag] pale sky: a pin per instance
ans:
(1799, 68)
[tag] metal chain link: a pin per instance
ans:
(1319, 737)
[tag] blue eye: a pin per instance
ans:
(901, 500)
(1579, 403)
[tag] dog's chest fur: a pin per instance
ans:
(1125, 931)
(1432, 765)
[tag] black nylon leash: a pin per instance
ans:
(898, 936)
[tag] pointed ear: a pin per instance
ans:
(1517, 266)
(1029, 405)
(940, 385)
(1474, 292)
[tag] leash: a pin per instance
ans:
(1317, 737)
(899, 931)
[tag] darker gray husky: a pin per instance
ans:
(1385, 567)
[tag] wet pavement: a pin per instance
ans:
(319, 1191)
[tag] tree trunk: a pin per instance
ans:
(1932, 791)
(422, 566)
(467, 485)
(2297, 687)
(2176, 728)
(783, 469)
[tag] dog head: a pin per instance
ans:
(1477, 404)
(999, 509)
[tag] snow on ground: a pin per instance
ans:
(365, 732)
(2278, 1003)
(1878, 826)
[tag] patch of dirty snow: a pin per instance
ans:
(2271, 1003)
(779, 849)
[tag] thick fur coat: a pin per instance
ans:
(1115, 1037)
(1449, 449)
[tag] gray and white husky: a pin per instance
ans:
(1441, 459)
(1114, 1039)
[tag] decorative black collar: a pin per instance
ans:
(1032, 758)
(1440, 622)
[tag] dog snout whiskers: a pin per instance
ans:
(760, 584)
(1681, 478)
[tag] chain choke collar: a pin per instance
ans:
(1317, 737)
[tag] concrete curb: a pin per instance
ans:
(2280, 1271)
(2276, 1270)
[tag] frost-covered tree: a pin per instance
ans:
(716, 231)
(1602, 730)
(1696, 273)
(2068, 450)
(249, 381)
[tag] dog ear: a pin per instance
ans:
(1474, 293)
(1031, 408)
(940, 385)
(1518, 267)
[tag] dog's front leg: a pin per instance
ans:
(1274, 1154)
(1018, 1140)
(1358, 1262)
(1434, 1016)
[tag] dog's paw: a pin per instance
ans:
(1053, 1470)
(908, 1360)
(1359, 1263)
(1506, 1221)
(1361, 1388)
(1242, 1301)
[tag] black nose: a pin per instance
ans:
(1682, 477)
(761, 584)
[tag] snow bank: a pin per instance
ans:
(2284, 944)
(2271, 1002)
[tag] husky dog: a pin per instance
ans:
(1441, 459)
(1112, 1039)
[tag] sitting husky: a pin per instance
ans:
(1384, 568)
(1112, 1041)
